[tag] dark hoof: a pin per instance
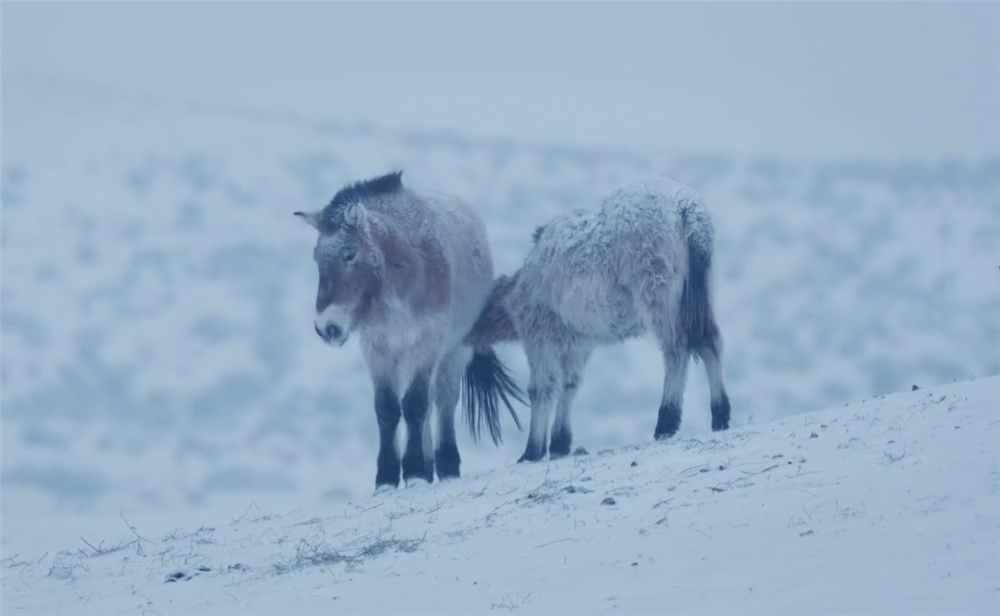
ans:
(530, 457)
(447, 462)
(414, 482)
(668, 421)
(560, 445)
(388, 469)
(720, 414)
(448, 473)
(390, 480)
(417, 469)
(411, 479)
(533, 452)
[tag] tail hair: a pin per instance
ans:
(487, 383)
(494, 323)
(696, 300)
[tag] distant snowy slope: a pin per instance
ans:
(158, 348)
(889, 506)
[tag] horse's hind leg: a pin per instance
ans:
(711, 355)
(675, 360)
(573, 362)
(662, 305)
(415, 404)
(447, 388)
(544, 365)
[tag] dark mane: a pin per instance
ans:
(360, 191)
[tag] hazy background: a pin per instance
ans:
(820, 80)
(158, 352)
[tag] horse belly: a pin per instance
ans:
(604, 312)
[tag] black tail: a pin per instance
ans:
(696, 299)
(487, 383)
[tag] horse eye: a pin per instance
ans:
(349, 256)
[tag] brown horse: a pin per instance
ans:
(410, 273)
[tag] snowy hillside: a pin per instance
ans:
(176, 438)
(158, 347)
(889, 506)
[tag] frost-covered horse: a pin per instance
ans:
(410, 273)
(640, 261)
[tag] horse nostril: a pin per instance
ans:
(333, 332)
(329, 333)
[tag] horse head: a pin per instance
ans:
(350, 269)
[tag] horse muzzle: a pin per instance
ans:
(332, 335)
(332, 329)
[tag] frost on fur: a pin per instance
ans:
(639, 261)
(410, 273)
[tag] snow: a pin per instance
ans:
(160, 371)
(882, 507)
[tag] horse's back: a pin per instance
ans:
(645, 214)
(588, 265)
(639, 215)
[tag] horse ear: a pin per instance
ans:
(311, 218)
(355, 215)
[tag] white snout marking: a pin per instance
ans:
(339, 318)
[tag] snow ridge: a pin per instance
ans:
(886, 506)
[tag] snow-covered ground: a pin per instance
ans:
(160, 370)
(889, 506)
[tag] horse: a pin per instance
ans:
(410, 273)
(639, 261)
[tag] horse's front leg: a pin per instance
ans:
(387, 411)
(415, 405)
